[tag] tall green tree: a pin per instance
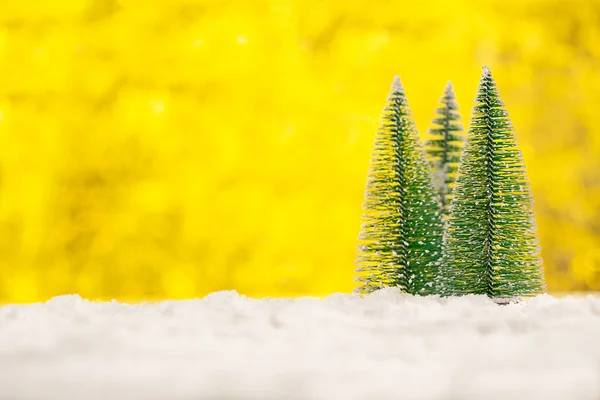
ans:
(401, 234)
(444, 146)
(491, 243)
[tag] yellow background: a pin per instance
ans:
(169, 148)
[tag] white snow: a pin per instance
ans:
(226, 346)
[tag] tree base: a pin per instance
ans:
(504, 301)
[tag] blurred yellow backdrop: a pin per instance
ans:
(169, 148)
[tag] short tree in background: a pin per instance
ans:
(444, 147)
(491, 244)
(401, 233)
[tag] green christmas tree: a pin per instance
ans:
(491, 243)
(401, 235)
(444, 146)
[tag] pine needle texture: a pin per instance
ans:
(444, 146)
(401, 233)
(491, 245)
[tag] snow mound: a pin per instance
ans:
(225, 346)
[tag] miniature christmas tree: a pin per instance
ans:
(444, 147)
(491, 243)
(401, 235)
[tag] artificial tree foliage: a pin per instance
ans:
(491, 241)
(444, 147)
(401, 233)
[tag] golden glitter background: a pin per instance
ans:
(169, 148)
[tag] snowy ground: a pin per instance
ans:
(225, 346)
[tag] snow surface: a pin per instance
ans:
(226, 346)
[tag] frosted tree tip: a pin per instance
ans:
(397, 85)
(486, 71)
(449, 88)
